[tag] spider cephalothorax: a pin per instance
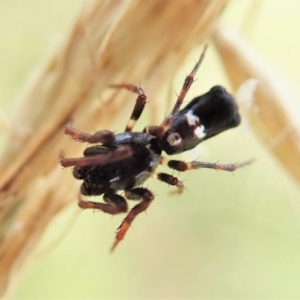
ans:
(124, 161)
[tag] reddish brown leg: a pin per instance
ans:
(100, 159)
(171, 180)
(185, 166)
(134, 194)
(115, 204)
(139, 105)
(160, 130)
(103, 136)
(186, 85)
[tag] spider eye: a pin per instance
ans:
(174, 139)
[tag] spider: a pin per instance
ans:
(124, 161)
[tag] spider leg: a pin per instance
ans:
(134, 194)
(185, 166)
(160, 130)
(115, 204)
(169, 179)
(103, 136)
(100, 159)
(139, 105)
(186, 86)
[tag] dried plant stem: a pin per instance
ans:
(269, 119)
(111, 41)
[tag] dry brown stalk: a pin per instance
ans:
(111, 41)
(267, 114)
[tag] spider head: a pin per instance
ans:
(204, 117)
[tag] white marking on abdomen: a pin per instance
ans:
(191, 118)
(200, 132)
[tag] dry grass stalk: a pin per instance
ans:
(267, 115)
(111, 41)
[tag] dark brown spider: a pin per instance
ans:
(124, 161)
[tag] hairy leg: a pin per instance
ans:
(115, 204)
(103, 136)
(135, 194)
(139, 105)
(185, 166)
(100, 159)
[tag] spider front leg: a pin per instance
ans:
(139, 105)
(104, 136)
(134, 194)
(99, 159)
(115, 204)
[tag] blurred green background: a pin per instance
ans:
(233, 236)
